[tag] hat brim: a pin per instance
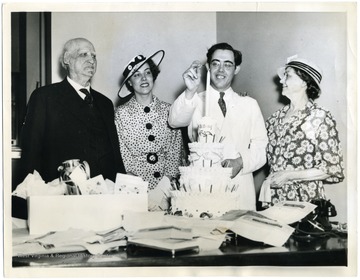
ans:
(281, 72)
(157, 58)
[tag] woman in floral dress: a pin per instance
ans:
(149, 147)
(304, 150)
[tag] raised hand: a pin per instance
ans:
(192, 78)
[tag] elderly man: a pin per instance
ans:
(70, 120)
(238, 118)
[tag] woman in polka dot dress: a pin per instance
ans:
(304, 150)
(149, 147)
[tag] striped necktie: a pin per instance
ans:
(222, 103)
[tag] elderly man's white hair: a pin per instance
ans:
(69, 47)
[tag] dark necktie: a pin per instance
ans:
(88, 97)
(222, 103)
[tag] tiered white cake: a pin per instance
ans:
(206, 189)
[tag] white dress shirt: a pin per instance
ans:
(77, 87)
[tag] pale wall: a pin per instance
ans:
(118, 37)
(266, 40)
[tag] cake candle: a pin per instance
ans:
(207, 101)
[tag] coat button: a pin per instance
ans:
(147, 109)
(152, 158)
(151, 137)
(149, 126)
(157, 174)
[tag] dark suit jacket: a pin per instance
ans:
(56, 130)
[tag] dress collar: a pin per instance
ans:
(306, 110)
(137, 105)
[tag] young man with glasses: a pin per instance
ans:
(239, 121)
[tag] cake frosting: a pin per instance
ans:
(206, 154)
(205, 187)
(205, 179)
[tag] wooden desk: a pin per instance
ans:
(240, 252)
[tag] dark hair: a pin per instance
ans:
(224, 46)
(154, 69)
(313, 90)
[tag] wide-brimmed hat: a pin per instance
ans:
(305, 65)
(136, 64)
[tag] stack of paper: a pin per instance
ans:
(71, 240)
(165, 232)
(270, 226)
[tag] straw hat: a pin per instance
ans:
(136, 64)
(305, 65)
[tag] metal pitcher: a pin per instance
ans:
(66, 168)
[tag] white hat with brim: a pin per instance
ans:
(136, 64)
(305, 65)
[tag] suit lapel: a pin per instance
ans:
(71, 101)
(102, 108)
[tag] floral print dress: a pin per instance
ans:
(308, 139)
(149, 147)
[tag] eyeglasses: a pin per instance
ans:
(216, 64)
